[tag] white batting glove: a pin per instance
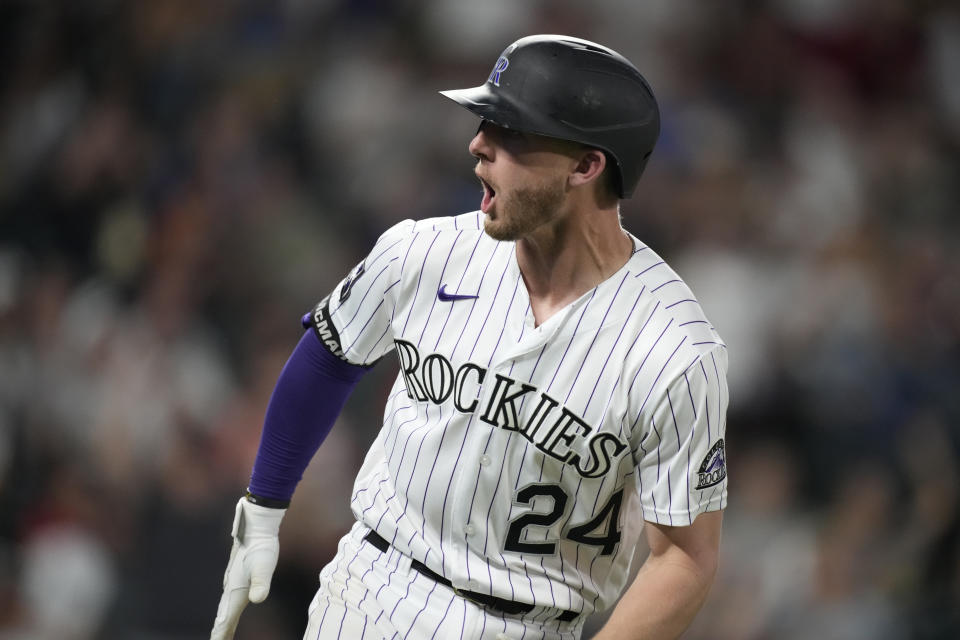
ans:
(253, 559)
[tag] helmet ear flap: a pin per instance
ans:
(614, 178)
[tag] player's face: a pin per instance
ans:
(524, 180)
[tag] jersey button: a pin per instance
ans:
(469, 529)
(484, 460)
(502, 636)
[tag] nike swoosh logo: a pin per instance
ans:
(451, 297)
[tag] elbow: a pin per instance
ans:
(709, 561)
(699, 565)
(704, 563)
(703, 567)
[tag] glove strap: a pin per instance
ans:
(270, 503)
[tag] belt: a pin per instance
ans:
(500, 604)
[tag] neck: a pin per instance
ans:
(562, 261)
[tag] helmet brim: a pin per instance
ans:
(486, 104)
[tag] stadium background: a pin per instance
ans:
(181, 180)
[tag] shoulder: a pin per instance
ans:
(440, 243)
(465, 222)
(408, 233)
(673, 307)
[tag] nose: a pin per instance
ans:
(480, 146)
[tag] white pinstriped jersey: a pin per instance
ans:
(518, 460)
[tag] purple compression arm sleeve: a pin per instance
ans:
(308, 397)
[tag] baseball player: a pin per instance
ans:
(560, 392)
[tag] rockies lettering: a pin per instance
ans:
(436, 381)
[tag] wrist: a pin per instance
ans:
(270, 503)
(256, 521)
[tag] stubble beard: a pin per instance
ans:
(522, 211)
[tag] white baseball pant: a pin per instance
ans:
(369, 594)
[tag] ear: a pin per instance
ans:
(590, 166)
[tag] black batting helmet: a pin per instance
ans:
(571, 89)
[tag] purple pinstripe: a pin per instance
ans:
(719, 404)
(445, 613)
(657, 379)
(365, 294)
(337, 569)
(374, 501)
(572, 336)
(653, 423)
(656, 264)
(676, 428)
(516, 484)
(413, 300)
(693, 405)
(446, 495)
(636, 339)
(366, 358)
(410, 481)
(443, 271)
(460, 284)
(364, 327)
(399, 396)
(378, 256)
(661, 286)
(707, 404)
(474, 306)
(396, 432)
(640, 368)
(503, 461)
(612, 349)
(365, 594)
(397, 557)
(553, 597)
(423, 608)
(493, 353)
(593, 562)
(403, 456)
(405, 596)
(590, 347)
(426, 487)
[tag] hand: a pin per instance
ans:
(253, 559)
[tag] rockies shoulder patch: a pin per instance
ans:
(713, 469)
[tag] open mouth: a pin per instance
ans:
(489, 193)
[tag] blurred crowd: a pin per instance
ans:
(180, 180)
